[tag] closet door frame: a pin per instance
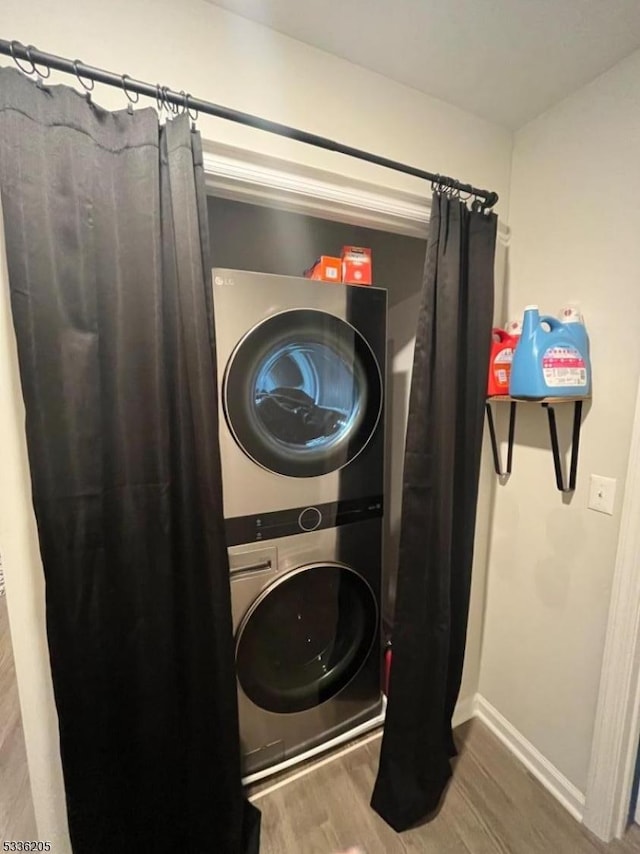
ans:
(260, 179)
(614, 751)
(248, 176)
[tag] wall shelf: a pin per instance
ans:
(549, 404)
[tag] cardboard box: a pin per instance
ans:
(356, 265)
(325, 269)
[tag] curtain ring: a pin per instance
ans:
(31, 70)
(41, 74)
(193, 116)
(84, 85)
(160, 97)
(184, 104)
(172, 108)
(130, 98)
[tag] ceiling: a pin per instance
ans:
(505, 60)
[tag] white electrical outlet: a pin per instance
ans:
(602, 493)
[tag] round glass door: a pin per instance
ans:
(306, 637)
(302, 393)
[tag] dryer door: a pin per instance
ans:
(306, 637)
(302, 393)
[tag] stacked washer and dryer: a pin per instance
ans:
(301, 367)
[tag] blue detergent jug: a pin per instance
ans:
(550, 362)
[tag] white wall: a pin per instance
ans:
(575, 220)
(198, 47)
(25, 590)
(218, 56)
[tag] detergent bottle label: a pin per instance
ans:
(564, 366)
(502, 367)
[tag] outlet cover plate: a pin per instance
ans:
(602, 493)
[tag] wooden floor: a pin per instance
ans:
(17, 820)
(493, 806)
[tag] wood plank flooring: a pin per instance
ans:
(493, 806)
(17, 820)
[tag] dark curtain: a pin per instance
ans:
(109, 274)
(440, 490)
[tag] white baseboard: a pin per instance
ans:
(556, 783)
(464, 710)
(563, 790)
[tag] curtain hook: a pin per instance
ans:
(193, 116)
(129, 96)
(171, 107)
(76, 63)
(159, 97)
(88, 89)
(452, 188)
(29, 71)
(40, 74)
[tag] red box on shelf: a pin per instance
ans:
(356, 265)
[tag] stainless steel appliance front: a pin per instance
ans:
(300, 370)
(306, 614)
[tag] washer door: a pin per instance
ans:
(306, 637)
(302, 393)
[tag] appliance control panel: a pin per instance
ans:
(310, 519)
(284, 523)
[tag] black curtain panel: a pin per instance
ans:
(109, 275)
(440, 491)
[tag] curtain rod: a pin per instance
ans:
(165, 96)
